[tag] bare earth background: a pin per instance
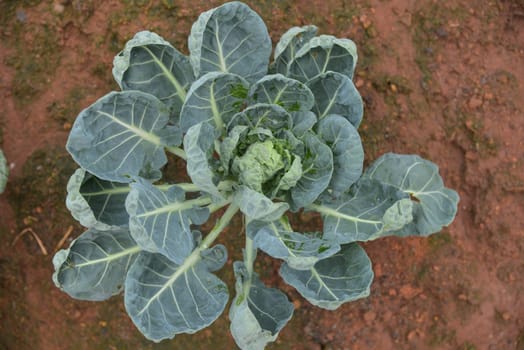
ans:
(444, 79)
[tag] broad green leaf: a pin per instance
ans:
(229, 144)
(121, 61)
(335, 93)
(317, 168)
(4, 171)
(120, 136)
(290, 177)
(95, 265)
(97, 203)
(323, 54)
(257, 313)
(365, 213)
(164, 298)
(348, 154)
(160, 221)
(263, 115)
(289, 45)
(434, 205)
(162, 71)
(256, 206)
(279, 90)
(199, 145)
(303, 122)
(300, 250)
(341, 278)
(214, 98)
(231, 38)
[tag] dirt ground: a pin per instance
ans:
(443, 79)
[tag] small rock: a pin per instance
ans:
(365, 21)
(370, 316)
(411, 335)
(58, 8)
(393, 88)
(392, 292)
(386, 316)
(462, 296)
(21, 16)
(474, 103)
(506, 316)
(441, 32)
(359, 83)
(406, 19)
(409, 292)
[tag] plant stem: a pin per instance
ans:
(188, 187)
(216, 206)
(177, 151)
(219, 227)
(250, 253)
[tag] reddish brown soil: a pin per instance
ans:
(440, 79)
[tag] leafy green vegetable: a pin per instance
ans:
(96, 264)
(260, 140)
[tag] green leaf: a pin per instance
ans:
(341, 278)
(229, 144)
(4, 171)
(162, 71)
(317, 168)
(97, 203)
(323, 54)
(257, 313)
(95, 265)
(434, 205)
(164, 298)
(256, 206)
(160, 221)
(277, 89)
(365, 213)
(121, 61)
(199, 145)
(303, 122)
(214, 98)
(335, 93)
(289, 45)
(290, 177)
(121, 136)
(348, 154)
(262, 115)
(231, 38)
(300, 250)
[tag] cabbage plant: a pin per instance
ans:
(261, 140)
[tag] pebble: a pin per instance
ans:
(21, 16)
(474, 102)
(365, 21)
(58, 8)
(406, 19)
(409, 292)
(370, 316)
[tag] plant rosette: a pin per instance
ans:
(264, 140)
